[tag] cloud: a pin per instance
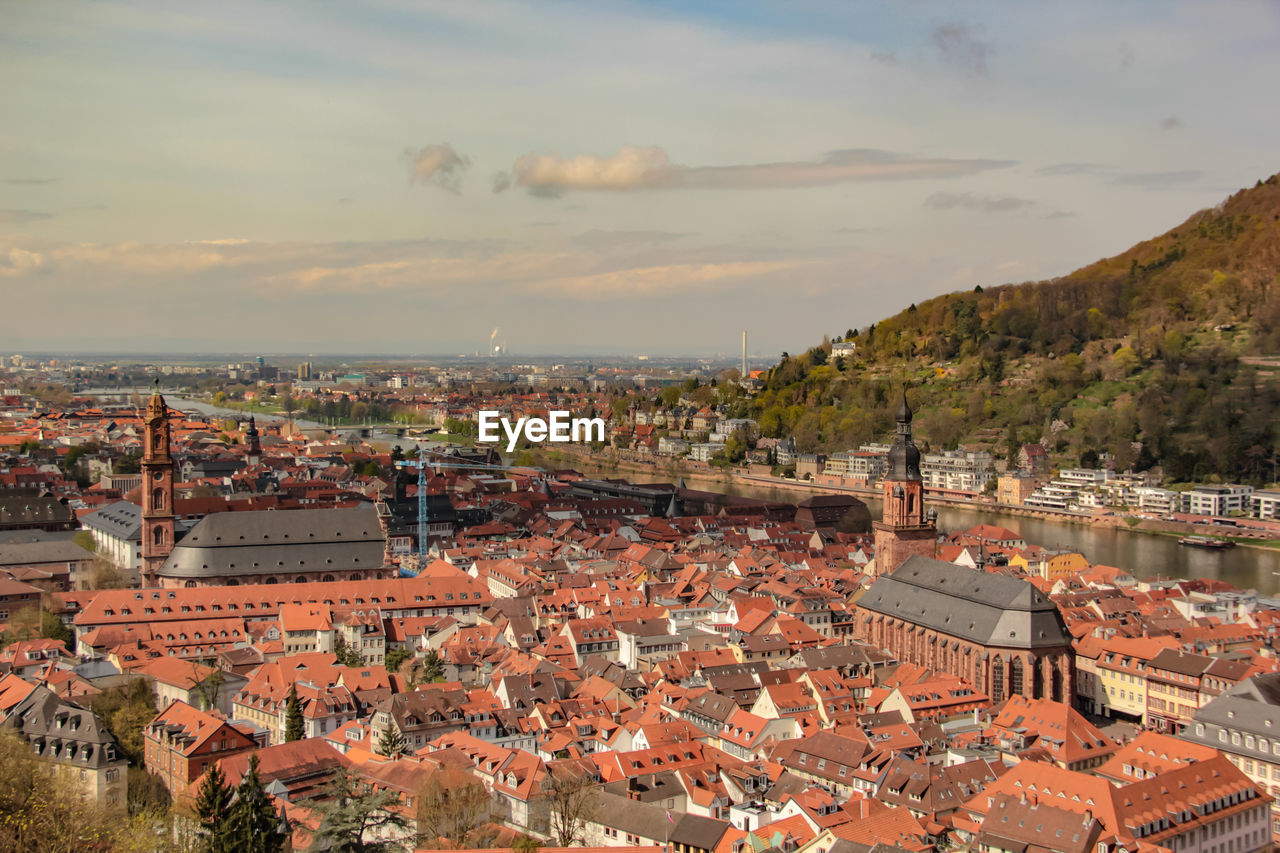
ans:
(981, 203)
(660, 280)
(885, 57)
(29, 182)
(1171, 123)
(1112, 175)
(18, 261)
(650, 168)
(1059, 169)
(959, 46)
(11, 216)
(437, 164)
(1126, 54)
(346, 201)
(1061, 214)
(1157, 180)
(634, 167)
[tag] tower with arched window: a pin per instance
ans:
(904, 530)
(157, 488)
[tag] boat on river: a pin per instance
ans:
(1206, 542)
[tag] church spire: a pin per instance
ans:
(904, 529)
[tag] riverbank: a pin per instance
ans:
(728, 479)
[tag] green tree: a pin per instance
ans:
(391, 742)
(347, 654)
(432, 667)
(209, 689)
(353, 812)
(51, 628)
(293, 716)
(254, 825)
(213, 810)
(395, 658)
(126, 709)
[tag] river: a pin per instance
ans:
(1141, 554)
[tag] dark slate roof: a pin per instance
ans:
(60, 730)
(991, 610)
(1250, 706)
(122, 520)
(41, 553)
(272, 541)
(22, 510)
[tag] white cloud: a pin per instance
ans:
(650, 168)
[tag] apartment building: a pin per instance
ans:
(957, 470)
(1220, 500)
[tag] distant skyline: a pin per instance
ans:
(392, 176)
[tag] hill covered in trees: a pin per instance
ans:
(1167, 354)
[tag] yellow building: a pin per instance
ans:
(1116, 670)
(1050, 565)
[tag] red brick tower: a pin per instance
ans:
(157, 489)
(904, 530)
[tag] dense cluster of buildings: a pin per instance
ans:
(722, 674)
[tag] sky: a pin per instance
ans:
(401, 177)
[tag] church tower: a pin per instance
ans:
(254, 455)
(157, 489)
(904, 530)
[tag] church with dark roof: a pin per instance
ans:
(999, 633)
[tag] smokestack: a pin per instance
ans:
(744, 354)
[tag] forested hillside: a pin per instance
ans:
(1168, 354)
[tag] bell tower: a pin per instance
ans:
(904, 530)
(157, 489)
(254, 455)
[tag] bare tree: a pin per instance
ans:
(573, 799)
(452, 804)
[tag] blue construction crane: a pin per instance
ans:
(421, 464)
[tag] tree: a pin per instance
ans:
(106, 575)
(572, 799)
(126, 709)
(213, 810)
(347, 655)
(526, 844)
(39, 813)
(129, 463)
(293, 715)
(147, 793)
(432, 667)
(395, 658)
(209, 688)
(254, 825)
(391, 742)
(452, 805)
(51, 628)
(353, 812)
